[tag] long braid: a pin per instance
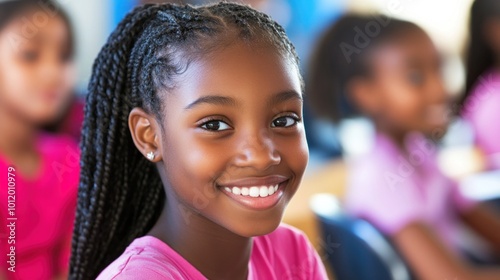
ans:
(121, 194)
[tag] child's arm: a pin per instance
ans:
(430, 259)
(486, 222)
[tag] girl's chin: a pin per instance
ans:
(258, 232)
(257, 229)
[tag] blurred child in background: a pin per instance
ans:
(389, 71)
(38, 171)
(481, 103)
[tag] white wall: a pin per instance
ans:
(91, 22)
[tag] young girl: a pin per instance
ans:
(481, 103)
(389, 70)
(38, 171)
(192, 146)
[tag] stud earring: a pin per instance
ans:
(150, 156)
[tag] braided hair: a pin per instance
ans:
(121, 194)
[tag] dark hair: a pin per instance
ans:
(339, 57)
(120, 194)
(12, 9)
(480, 56)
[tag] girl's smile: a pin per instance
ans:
(256, 193)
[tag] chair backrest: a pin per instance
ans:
(354, 248)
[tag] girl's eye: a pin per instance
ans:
(215, 125)
(285, 121)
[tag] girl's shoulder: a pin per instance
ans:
(58, 145)
(61, 155)
(286, 253)
(150, 258)
(285, 240)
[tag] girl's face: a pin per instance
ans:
(408, 86)
(233, 142)
(36, 69)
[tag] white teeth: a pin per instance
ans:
(245, 191)
(263, 191)
(270, 190)
(254, 191)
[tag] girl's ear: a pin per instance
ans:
(146, 134)
(362, 92)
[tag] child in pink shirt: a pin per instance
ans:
(38, 171)
(481, 102)
(192, 146)
(283, 254)
(43, 213)
(389, 71)
(397, 189)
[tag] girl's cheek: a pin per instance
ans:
(16, 81)
(296, 153)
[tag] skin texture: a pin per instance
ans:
(36, 77)
(406, 94)
(260, 134)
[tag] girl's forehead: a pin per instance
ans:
(241, 72)
(25, 29)
(409, 49)
(243, 61)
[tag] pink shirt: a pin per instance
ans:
(44, 211)
(283, 254)
(482, 111)
(392, 191)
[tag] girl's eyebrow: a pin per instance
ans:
(228, 101)
(212, 99)
(285, 96)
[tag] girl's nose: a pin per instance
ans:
(257, 151)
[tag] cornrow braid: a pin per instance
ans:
(121, 194)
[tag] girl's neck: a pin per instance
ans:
(397, 136)
(212, 249)
(18, 136)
